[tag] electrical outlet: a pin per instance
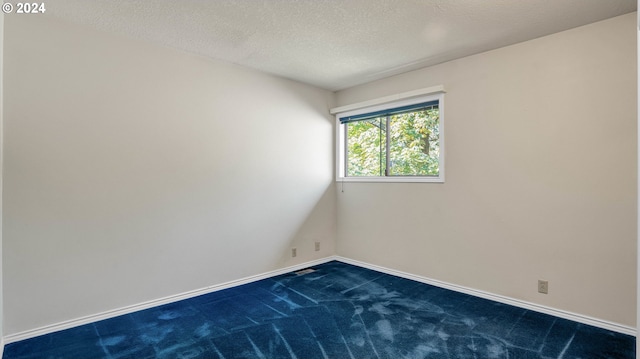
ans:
(294, 252)
(543, 286)
(317, 246)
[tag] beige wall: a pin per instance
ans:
(134, 172)
(541, 176)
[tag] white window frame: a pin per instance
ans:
(411, 98)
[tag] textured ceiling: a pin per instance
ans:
(336, 44)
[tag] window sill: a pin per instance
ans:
(397, 179)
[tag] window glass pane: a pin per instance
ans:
(414, 147)
(366, 147)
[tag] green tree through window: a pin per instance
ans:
(399, 144)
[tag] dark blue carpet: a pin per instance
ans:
(338, 311)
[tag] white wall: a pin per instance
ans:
(1, 171)
(134, 172)
(541, 176)
(638, 196)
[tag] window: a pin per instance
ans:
(399, 141)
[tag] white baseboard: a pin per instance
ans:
(194, 293)
(499, 298)
(156, 302)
